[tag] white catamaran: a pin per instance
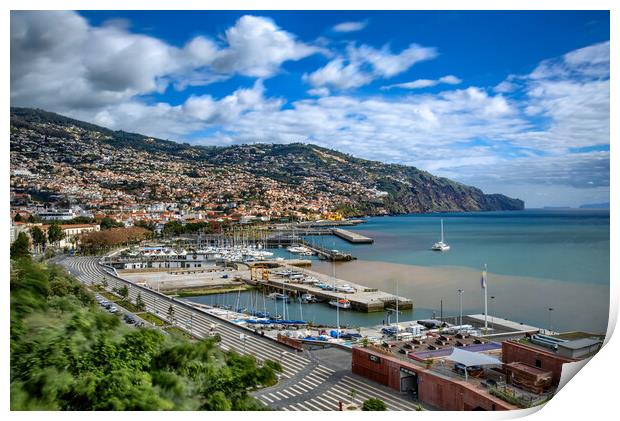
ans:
(441, 246)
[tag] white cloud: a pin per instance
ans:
(425, 83)
(505, 87)
(196, 113)
(386, 64)
(258, 47)
(339, 75)
(350, 26)
(60, 62)
(364, 64)
(319, 91)
(572, 94)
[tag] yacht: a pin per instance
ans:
(279, 296)
(345, 288)
(341, 303)
(299, 250)
(441, 246)
(308, 298)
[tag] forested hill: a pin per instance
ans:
(287, 176)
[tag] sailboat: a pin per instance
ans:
(441, 246)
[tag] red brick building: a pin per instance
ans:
(428, 386)
(513, 351)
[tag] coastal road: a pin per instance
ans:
(309, 382)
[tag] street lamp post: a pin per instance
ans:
(460, 307)
(550, 310)
(492, 316)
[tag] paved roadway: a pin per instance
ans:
(306, 384)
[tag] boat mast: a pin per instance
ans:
(397, 327)
(442, 230)
(284, 297)
(485, 299)
(337, 300)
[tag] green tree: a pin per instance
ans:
(32, 219)
(55, 233)
(67, 355)
(20, 247)
(374, 404)
(140, 305)
(174, 228)
(38, 238)
(149, 225)
(171, 314)
(124, 292)
(108, 223)
(18, 218)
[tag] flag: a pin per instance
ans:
(483, 279)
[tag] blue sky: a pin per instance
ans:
(512, 102)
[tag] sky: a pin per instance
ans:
(510, 102)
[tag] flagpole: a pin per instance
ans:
(485, 298)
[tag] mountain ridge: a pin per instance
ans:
(330, 179)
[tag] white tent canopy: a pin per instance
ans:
(470, 358)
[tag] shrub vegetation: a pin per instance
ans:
(67, 354)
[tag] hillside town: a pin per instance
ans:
(60, 173)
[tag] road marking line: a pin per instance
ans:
(279, 393)
(311, 405)
(373, 393)
(331, 405)
(303, 407)
(314, 383)
(328, 370)
(298, 390)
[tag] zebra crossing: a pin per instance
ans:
(300, 389)
(305, 384)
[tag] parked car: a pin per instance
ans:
(113, 309)
(129, 318)
(389, 331)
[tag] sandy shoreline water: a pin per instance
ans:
(576, 306)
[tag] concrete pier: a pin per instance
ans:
(277, 263)
(352, 237)
(364, 299)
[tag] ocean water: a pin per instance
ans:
(567, 245)
(536, 259)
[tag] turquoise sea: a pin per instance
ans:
(537, 259)
(567, 245)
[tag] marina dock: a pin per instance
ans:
(276, 263)
(327, 254)
(352, 237)
(364, 299)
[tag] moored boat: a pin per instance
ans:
(440, 245)
(341, 303)
(279, 296)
